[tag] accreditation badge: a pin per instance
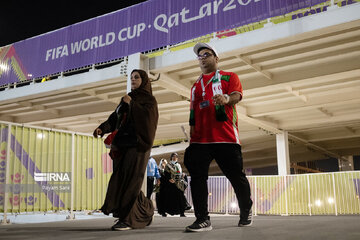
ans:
(204, 104)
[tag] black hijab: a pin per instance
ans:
(144, 112)
(143, 117)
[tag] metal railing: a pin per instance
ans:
(51, 170)
(44, 170)
(303, 194)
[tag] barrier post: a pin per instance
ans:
(227, 198)
(333, 180)
(286, 198)
(6, 221)
(309, 199)
(72, 215)
(255, 198)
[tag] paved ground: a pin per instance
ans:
(224, 227)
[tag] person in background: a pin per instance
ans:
(159, 203)
(134, 121)
(214, 134)
(172, 198)
(152, 174)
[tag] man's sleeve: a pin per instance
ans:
(235, 84)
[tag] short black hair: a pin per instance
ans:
(207, 48)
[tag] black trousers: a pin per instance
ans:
(150, 186)
(229, 158)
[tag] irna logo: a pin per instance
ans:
(51, 177)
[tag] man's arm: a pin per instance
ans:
(231, 99)
(234, 98)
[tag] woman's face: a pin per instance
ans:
(163, 164)
(135, 80)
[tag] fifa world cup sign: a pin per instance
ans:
(139, 28)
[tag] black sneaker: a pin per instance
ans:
(246, 219)
(120, 226)
(199, 226)
(182, 215)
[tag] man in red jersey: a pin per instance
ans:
(214, 135)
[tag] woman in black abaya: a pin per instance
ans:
(135, 120)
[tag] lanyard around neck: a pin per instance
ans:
(214, 78)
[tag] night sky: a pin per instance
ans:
(24, 19)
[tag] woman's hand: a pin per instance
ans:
(172, 180)
(127, 99)
(98, 132)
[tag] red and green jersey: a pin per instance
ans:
(204, 114)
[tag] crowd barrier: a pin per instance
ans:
(44, 170)
(47, 170)
(332, 193)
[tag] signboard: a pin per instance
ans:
(142, 27)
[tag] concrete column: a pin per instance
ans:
(282, 148)
(134, 62)
(346, 165)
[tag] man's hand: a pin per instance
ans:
(98, 132)
(231, 99)
(220, 99)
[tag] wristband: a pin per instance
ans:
(227, 98)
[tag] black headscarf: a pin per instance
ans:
(145, 86)
(143, 115)
(144, 112)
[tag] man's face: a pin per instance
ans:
(208, 60)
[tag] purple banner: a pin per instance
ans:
(142, 27)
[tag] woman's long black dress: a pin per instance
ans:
(170, 199)
(130, 153)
